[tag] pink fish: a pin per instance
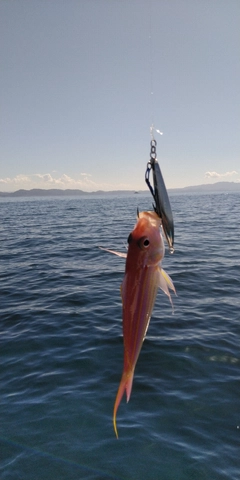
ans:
(143, 276)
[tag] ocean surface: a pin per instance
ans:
(61, 346)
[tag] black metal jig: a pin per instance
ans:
(159, 192)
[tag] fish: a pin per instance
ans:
(143, 276)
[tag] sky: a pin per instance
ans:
(82, 81)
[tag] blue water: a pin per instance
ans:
(61, 344)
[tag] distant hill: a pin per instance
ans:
(57, 192)
(40, 192)
(209, 188)
(219, 187)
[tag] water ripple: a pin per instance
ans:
(61, 344)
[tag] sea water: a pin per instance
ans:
(61, 346)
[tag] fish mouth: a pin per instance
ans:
(152, 217)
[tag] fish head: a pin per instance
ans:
(146, 246)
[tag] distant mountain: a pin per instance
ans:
(39, 192)
(57, 192)
(219, 187)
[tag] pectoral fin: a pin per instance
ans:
(165, 282)
(119, 254)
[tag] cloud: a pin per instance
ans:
(220, 175)
(47, 181)
(16, 180)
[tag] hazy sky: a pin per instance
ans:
(82, 81)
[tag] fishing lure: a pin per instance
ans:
(162, 204)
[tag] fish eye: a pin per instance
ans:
(129, 238)
(143, 243)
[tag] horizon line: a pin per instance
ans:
(78, 190)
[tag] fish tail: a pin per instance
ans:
(125, 385)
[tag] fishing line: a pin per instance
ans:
(151, 72)
(151, 67)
